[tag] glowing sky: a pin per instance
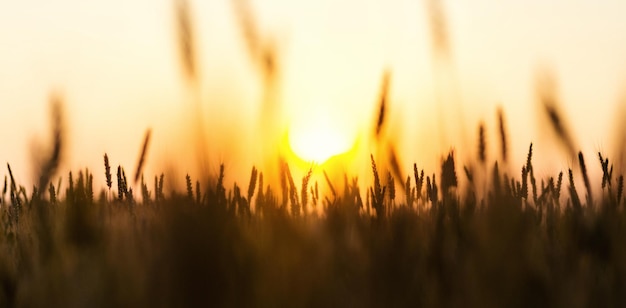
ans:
(116, 63)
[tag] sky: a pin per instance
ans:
(116, 64)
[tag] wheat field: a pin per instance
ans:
(474, 230)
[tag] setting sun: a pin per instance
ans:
(315, 137)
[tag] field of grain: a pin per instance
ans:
(472, 230)
(524, 242)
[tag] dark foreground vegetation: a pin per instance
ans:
(527, 242)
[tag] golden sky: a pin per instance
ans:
(117, 66)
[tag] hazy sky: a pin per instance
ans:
(116, 64)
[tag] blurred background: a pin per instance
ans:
(117, 66)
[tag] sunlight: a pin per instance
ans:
(316, 138)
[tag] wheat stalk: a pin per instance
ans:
(142, 155)
(378, 192)
(107, 171)
(189, 187)
(383, 97)
(293, 191)
(573, 194)
(448, 174)
(503, 138)
(260, 196)
(330, 185)
(559, 182)
(481, 144)
(303, 193)
(120, 184)
(252, 185)
(583, 168)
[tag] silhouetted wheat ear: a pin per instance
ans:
(482, 156)
(378, 192)
(583, 169)
(524, 185)
(408, 194)
(120, 184)
(448, 174)
(392, 186)
(384, 92)
(572, 190)
(283, 184)
(160, 190)
(129, 196)
(559, 183)
(69, 192)
(377, 186)
(317, 195)
(156, 189)
(419, 181)
(189, 187)
(219, 187)
(13, 184)
(260, 196)
(330, 185)
(107, 171)
(606, 174)
(89, 186)
(15, 198)
(252, 185)
(53, 196)
(533, 184)
(525, 171)
(293, 191)
(125, 181)
(303, 192)
(142, 155)
(503, 138)
(433, 190)
(24, 195)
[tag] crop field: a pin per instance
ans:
(305, 226)
(524, 242)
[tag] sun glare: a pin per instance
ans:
(316, 139)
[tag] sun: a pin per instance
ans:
(316, 138)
